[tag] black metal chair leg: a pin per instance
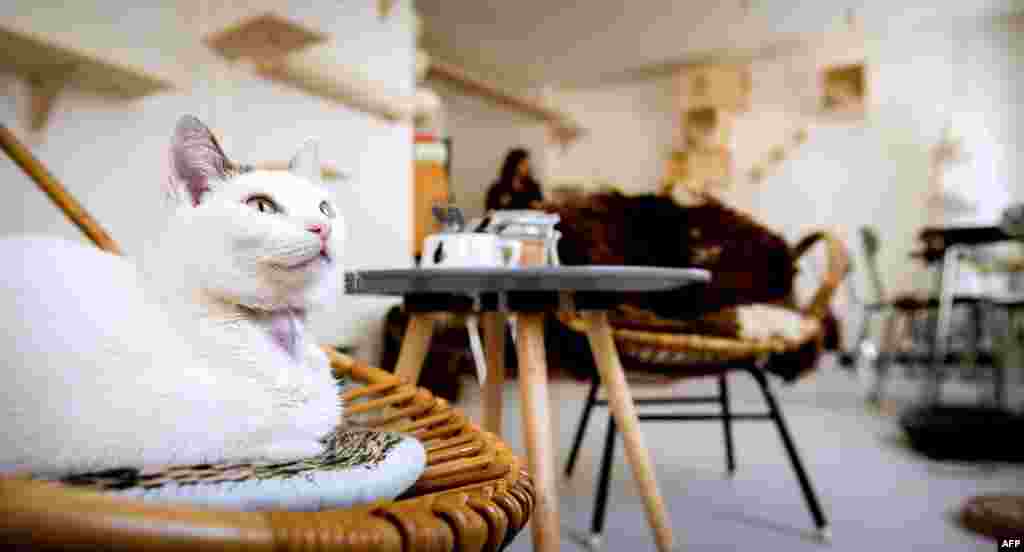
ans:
(723, 396)
(932, 388)
(581, 429)
(794, 456)
(978, 319)
(604, 479)
(919, 328)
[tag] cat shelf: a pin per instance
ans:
(699, 170)
(284, 52)
(844, 90)
(776, 155)
(48, 69)
(721, 86)
(706, 128)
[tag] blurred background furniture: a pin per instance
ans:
(909, 322)
(669, 350)
(751, 265)
(431, 172)
(948, 249)
(448, 356)
(967, 432)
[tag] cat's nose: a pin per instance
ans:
(320, 229)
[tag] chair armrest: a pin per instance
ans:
(838, 264)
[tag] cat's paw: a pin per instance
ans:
(282, 451)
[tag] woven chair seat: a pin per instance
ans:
(662, 346)
(473, 494)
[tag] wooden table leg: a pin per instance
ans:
(415, 346)
(599, 333)
(533, 388)
(494, 335)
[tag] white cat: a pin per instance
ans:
(195, 355)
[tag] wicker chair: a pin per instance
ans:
(474, 494)
(662, 349)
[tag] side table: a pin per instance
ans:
(529, 293)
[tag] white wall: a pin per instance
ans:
(847, 175)
(112, 155)
(630, 133)
(876, 172)
(482, 134)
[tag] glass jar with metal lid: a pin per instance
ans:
(536, 231)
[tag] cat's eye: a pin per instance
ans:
(263, 204)
(326, 209)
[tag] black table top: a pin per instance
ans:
(518, 289)
(936, 239)
(966, 235)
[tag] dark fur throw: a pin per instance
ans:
(748, 262)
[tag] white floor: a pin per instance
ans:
(877, 494)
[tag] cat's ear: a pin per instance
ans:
(306, 162)
(197, 161)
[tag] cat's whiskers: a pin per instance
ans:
(296, 256)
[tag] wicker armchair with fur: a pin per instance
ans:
(747, 319)
(751, 266)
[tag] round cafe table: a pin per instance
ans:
(529, 293)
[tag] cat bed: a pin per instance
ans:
(357, 467)
(473, 494)
(965, 433)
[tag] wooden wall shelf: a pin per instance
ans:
(844, 90)
(707, 128)
(319, 77)
(49, 68)
(284, 52)
(699, 170)
(263, 37)
(721, 86)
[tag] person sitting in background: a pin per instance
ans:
(515, 187)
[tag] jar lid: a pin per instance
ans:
(525, 216)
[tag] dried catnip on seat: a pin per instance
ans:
(357, 467)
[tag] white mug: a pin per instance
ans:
(470, 250)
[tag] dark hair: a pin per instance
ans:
(503, 186)
(510, 168)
